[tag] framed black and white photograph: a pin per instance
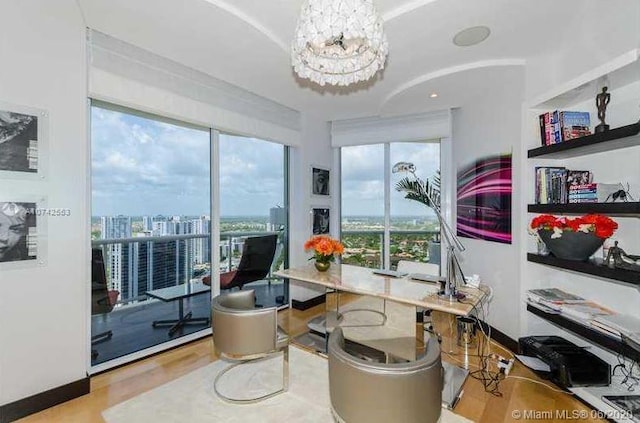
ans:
(18, 232)
(320, 181)
(321, 218)
(22, 141)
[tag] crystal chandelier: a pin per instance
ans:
(338, 42)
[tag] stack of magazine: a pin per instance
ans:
(620, 326)
(559, 301)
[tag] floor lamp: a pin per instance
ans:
(428, 194)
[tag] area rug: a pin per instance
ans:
(191, 398)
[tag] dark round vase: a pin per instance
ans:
(577, 246)
(322, 266)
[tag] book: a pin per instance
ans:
(582, 200)
(555, 123)
(587, 310)
(619, 323)
(604, 329)
(543, 125)
(573, 191)
(584, 186)
(551, 185)
(629, 404)
(574, 124)
(583, 196)
(563, 125)
(578, 177)
(553, 295)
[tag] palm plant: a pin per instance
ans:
(425, 192)
(429, 194)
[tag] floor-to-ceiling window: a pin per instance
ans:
(150, 230)
(253, 203)
(362, 186)
(409, 229)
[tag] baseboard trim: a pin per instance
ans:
(312, 302)
(38, 402)
(500, 337)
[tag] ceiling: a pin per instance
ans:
(246, 43)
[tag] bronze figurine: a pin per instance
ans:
(602, 100)
(618, 258)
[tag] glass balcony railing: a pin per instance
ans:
(366, 247)
(136, 265)
(139, 264)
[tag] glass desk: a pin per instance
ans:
(395, 326)
(180, 292)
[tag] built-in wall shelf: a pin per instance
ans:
(611, 209)
(595, 268)
(609, 342)
(625, 136)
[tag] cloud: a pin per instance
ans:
(363, 177)
(147, 167)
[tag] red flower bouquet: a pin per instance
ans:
(602, 226)
(573, 239)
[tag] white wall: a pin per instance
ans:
(608, 167)
(44, 309)
(130, 76)
(599, 31)
(489, 125)
(316, 150)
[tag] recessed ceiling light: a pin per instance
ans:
(471, 36)
(433, 95)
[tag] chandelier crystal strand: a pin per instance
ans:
(339, 42)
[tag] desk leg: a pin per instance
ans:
(183, 319)
(454, 376)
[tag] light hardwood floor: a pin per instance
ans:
(118, 385)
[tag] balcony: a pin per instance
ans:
(136, 265)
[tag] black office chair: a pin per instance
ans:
(102, 298)
(255, 263)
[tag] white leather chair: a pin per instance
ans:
(417, 267)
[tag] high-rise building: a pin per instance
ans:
(159, 228)
(147, 223)
(277, 219)
(117, 227)
(137, 267)
(202, 246)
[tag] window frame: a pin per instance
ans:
(446, 186)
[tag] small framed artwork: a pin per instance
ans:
(23, 141)
(321, 220)
(320, 181)
(18, 232)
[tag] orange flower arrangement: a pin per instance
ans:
(324, 248)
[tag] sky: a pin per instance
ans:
(363, 178)
(146, 167)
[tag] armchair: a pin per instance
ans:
(365, 391)
(244, 334)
